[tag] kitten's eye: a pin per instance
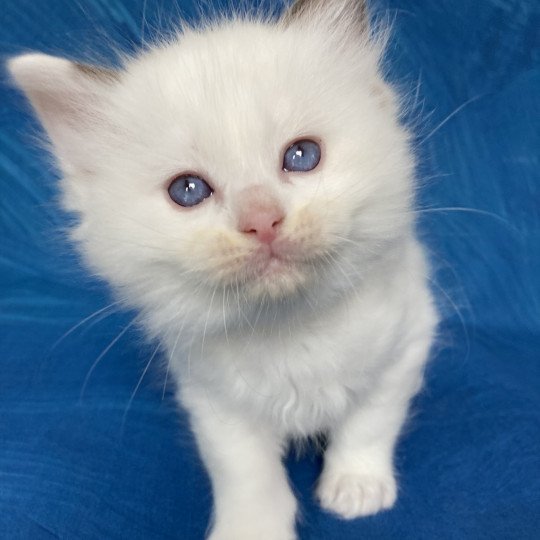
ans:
(302, 156)
(189, 190)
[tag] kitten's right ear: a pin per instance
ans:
(350, 13)
(69, 98)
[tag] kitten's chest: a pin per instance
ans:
(300, 385)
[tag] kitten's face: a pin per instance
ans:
(210, 121)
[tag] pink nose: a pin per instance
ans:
(262, 221)
(259, 213)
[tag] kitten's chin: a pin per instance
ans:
(275, 278)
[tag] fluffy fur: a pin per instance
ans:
(329, 337)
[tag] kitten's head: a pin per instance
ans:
(264, 158)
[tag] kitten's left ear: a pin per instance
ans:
(69, 98)
(351, 13)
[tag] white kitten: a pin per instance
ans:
(248, 187)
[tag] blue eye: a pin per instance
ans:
(302, 156)
(189, 190)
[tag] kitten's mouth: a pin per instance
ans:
(268, 261)
(274, 265)
(274, 274)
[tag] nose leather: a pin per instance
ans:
(260, 214)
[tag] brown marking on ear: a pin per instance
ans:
(101, 74)
(297, 8)
(382, 93)
(301, 8)
(377, 89)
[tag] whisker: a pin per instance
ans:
(103, 353)
(143, 24)
(85, 320)
(132, 397)
(342, 270)
(170, 356)
(225, 294)
(449, 117)
(458, 313)
(207, 319)
(469, 210)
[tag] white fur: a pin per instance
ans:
(334, 343)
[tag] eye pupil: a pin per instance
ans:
(189, 190)
(302, 156)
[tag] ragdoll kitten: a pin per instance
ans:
(248, 187)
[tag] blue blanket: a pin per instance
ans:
(84, 456)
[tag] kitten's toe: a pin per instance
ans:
(351, 495)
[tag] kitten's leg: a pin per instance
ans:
(358, 477)
(252, 497)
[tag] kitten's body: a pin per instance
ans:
(302, 374)
(325, 328)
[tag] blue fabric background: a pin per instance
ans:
(75, 466)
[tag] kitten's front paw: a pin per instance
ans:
(272, 520)
(352, 495)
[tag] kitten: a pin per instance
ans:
(248, 187)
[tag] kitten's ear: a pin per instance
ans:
(351, 13)
(68, 98)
